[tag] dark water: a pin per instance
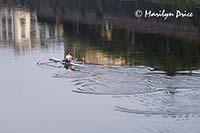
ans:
(139, 74)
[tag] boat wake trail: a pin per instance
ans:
(177, 105)
(133, 80)
(140, 89)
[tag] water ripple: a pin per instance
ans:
(133, 80)
(186, 103)
(141, 90)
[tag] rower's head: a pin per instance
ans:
(68, 53)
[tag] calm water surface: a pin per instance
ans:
(139, 75)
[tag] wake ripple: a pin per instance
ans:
(141, 90)
(133, 80)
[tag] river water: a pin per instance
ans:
(138, 75)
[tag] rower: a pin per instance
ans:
(68, 59)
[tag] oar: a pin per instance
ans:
(60, 61)
(47, 64)
(56, 60)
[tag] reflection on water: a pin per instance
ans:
(166, 46)
(21, 29)
(154, 65)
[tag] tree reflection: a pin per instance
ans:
(104, 35)
(160, 52)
